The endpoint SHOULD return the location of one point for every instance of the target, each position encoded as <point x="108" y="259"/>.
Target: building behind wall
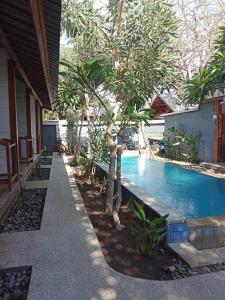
<point x="207" y="119"/>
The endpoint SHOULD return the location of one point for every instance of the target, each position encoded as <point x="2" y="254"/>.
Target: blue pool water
<point x="190" y="193"/>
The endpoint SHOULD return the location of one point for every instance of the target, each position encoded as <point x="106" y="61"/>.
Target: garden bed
<point x="45" y="161"/>
<point x="26" y="213"/>
<point x="39" y="174"/>
<point x="119" y="247"/>
<point x="14" y="283"/>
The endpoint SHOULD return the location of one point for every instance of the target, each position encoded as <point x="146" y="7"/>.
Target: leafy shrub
<point x="150" y="233"/>
<point x="80" y="160"/>
<point x="180" y="145"/>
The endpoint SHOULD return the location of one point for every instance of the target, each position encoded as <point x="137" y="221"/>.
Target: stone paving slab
<point x="198" y="258"/>
<point x="67" y="261"/>
<point x="36" y="184"/>
<point x="45" y="166"/>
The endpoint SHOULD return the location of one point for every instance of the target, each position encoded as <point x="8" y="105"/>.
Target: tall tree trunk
<point x="151" y="154"/>
<point x="75" y="138"/>
<point x="120" y="150"/>
<point x="89" y="123"/>
<point x="118" y="176"/>
<point x="79" y="135"/>
<point x="110" y="141"/>
<point x="118" y="199"/>
<point x="112" y="160"/>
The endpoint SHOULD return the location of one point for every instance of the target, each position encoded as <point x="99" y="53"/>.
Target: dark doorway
<point x="49" y="137"/>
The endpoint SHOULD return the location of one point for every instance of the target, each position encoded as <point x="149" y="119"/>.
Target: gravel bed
<point x="39" y="174"/>
<point x="181" y="270"/>
<point x="26" y="213"/>
<point x="14" y="283"/>
<point x="45" y="161"/>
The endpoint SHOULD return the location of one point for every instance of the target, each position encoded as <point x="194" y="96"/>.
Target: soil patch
<point x="119" y="248"/>
<point x="39" y="174"/>
<point x="45" y="161"/>
<point x="26" y="213"/>
<point x="14" y="283"/>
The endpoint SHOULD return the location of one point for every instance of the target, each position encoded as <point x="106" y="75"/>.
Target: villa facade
<point x="29" y="56"/>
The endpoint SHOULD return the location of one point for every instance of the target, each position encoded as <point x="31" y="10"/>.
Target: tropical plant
<point x="49" y="115"/>
<point x="180" y="145"/>
<point x="70" y="134"/>
<point x="70" y="105"/>
<point x="211" y="77"/>
<point x="150" y="233"/>
<point x="133" y="41"/>
<point x="80" y="160"/>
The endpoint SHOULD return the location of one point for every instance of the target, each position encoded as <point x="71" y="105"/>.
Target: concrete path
<point x="67" y="262"/>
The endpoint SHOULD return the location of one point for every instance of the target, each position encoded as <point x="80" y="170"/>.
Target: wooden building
<point x="29" y="57"/>
<point x="160" y="106"/>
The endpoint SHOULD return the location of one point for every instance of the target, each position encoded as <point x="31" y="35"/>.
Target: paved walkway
<point x="67" y="262"/>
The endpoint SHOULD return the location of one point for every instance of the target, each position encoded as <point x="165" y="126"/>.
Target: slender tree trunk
<point x="120" y="150"/>
<point x="75" y="138"/>
<point x="89" y="155"/>
<point x="118" y="176"/>
<point x="118" y="199"/>
<point x="79" y="135"/>
<point x="111" y="177"/>
<point x="110" y="141"/>
<point x="112" y="160"/>
<point x="151" y="154"/>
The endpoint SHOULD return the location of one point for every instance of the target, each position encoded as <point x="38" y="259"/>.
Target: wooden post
<point x="13" y="114"/>
<point x="28" y="118"/>
<point x="41" y="129"/>
<point x="37" y="119"/>
<point x="218" y="131"/>
<point x="28" y="113"/>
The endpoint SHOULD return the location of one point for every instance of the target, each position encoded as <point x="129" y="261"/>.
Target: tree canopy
<point x="211" y="77"/>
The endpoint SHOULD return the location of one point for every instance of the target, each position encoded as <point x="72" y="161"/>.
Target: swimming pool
<point x="192" y="194"/>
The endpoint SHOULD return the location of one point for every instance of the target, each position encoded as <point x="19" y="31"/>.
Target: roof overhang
<point x="30" y="34"/>
<point x="160" y="105"/>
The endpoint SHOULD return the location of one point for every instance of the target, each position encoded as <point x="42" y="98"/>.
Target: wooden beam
<point x="39" y="23"/>
<point x="13" y="113"/>
<point x="11" y="54"/>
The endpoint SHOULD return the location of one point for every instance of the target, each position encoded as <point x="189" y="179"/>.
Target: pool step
<point x="207" y="233"/>
<point x="198" y="258"/>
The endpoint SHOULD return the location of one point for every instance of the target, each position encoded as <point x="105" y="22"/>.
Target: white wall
<point x="155" y="130"/>
<point x="61" y="128"/>
<point x="33" y="122"/>
<point x="4" y="107"/>
<point x="21" y="112"/>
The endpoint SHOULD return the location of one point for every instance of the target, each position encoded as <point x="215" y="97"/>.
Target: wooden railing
<point x="28" y="146"/>
<point x="11" y="163"/>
